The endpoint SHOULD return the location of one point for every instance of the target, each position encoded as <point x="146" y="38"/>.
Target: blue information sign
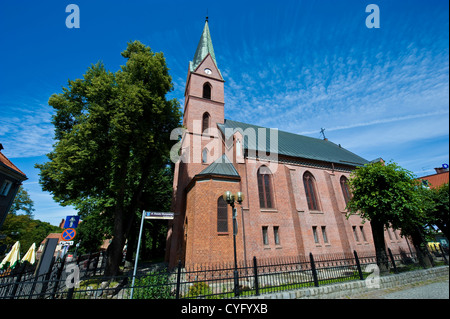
<point x="71" y="221"/>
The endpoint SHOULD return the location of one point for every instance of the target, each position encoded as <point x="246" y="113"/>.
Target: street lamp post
<point x="230" y="199"/>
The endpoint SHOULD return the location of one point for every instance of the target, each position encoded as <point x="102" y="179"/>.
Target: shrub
<point x="155" y="285"/>
<point x="199" y="289"/>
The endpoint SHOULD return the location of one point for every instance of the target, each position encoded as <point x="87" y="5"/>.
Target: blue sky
<point x="294" y="65"/>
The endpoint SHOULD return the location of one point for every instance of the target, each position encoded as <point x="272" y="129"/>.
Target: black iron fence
<point x="84" y="278"/>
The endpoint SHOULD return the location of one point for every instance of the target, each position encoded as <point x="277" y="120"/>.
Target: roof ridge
<point x="6" y="162"/>
<point x="301" y="146"/>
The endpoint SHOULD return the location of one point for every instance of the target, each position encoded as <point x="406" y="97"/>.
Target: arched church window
<point x="207" y="91"/>
<point x="222" y="215"/>
<point x="205" y="156"/>
<point x="265" y="188"/>
<point x="310" y="190"/>
<point x="345" y="189"/>
<point x="205" y="121"/>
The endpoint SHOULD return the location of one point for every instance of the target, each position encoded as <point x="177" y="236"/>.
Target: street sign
<point x="71" y="221"/>
<point x="68" y="234"/>
<point x="158" y="215"/>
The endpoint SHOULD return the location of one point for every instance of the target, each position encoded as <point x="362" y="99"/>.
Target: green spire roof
<point x="204" y="47"/>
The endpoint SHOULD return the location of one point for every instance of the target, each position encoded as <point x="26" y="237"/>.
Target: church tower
<point x="199" y="233"/>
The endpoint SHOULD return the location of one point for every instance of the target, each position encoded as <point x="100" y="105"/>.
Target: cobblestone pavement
<point x="432" y="289"/>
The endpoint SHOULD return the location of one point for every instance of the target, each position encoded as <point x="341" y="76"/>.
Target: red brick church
<point x="295" y="186"/>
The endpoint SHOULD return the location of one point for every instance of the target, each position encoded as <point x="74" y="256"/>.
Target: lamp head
<point x="240" y="197"/>
<point x="228" y="197"/>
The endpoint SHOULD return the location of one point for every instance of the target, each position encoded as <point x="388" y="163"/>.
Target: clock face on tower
<point x="208" y="71"/>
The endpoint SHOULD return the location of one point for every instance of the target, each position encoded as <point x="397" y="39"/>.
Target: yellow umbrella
<point x="30" y="256"/>
<point x="12" y="258"/>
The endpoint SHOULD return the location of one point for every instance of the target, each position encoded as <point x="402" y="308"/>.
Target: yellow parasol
<point x="30" y="256"/>
<point x="12" y="258"/>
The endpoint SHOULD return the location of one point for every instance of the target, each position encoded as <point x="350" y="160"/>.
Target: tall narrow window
<point x="362" y="233"/>
<point x="205" y="156"/>
<point x="345" y="189"/>
<point x="324" y="234"/>
<point x="276" y="235"/>
<point x="395" y="234"/>
<point x="355" y="233"/>
<point x="207" y="91"/>
<point x="238" y="147"/>
<point x="222" y="215"/>
<point x="310" y="189"/>
<point x="389" y="233"/>
<point x="265" y="235"/>
<point x="265" y="187"/>
<point x="316" y="236"/>
<point x="205" y="121"/>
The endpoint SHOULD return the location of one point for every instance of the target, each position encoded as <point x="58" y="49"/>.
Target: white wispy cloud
<point x="27" y="132"/>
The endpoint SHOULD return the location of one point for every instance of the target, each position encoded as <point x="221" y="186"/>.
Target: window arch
<point x="345" y="189"/>
<point x="310" y="190"/>
<point x="207" y="91"/>
<point x="265" y="187"/>
<point x="222" y="215"/>
<point x="205" y="121"/>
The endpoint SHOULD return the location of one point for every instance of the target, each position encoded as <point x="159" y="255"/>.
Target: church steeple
<point x="204" y="94"/>
<point x="204" y="48"/>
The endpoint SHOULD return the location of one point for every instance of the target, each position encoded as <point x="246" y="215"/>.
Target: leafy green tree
<point x="386" y="195"/>
<point x="92" y="231"/>
<point x="112" y="131"/>
<point x="440" y="215"/>
<point x="26" y="230"/>
<point x="22" y="202"/>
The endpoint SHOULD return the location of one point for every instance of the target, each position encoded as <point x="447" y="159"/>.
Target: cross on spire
<point x="322" y="131"/>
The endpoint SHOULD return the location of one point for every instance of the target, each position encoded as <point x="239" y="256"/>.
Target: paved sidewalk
<point x="431" y="289"/>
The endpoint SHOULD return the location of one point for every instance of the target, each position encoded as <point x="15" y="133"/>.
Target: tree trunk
<point x="116" y="247"/>
<point x="380" y="245"/>
<point x="422" y="254"/>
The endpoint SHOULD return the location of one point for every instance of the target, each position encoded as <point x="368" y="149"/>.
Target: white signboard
<point x="158" y="215"/>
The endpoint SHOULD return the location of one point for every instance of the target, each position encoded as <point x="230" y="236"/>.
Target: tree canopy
<point x="386" y="195"/>
<point x="385" y="192"/>
<point x="22" y="202"/>
<point x="112" y="132"/>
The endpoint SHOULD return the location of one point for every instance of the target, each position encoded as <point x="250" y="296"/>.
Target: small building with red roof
<point x="438" y="179"/>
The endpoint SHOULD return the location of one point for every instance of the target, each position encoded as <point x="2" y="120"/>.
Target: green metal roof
<point x="221" y="166"/>
<point x="290" y="144"/>
<point x="204" y="47"/>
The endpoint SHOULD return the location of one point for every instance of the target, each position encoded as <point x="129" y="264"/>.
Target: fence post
<point x="18" y="279"/>
<point x="392" y="260"/>
<point x="46" y="280"/>
<point x="70" y="293"/>
<point x="255" y="271"/>
<point x="443" y="254"/>
<point x="358" y="265"/>
<point x="58" y="276"/>
<point x="313" y="269"/>
<point x="177" y="295"/>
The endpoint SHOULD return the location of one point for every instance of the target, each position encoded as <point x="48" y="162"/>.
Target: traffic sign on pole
<point x="68" y="234"/>
<point x="71" y="221"/>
